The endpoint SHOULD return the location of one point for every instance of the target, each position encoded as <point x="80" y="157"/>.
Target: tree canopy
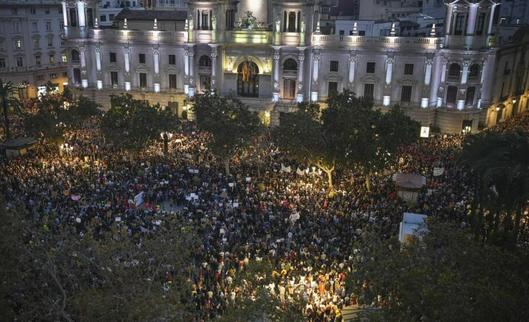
<point x="349" y="133"/>
<point x="57" y="274"/>
<point x="9" y="101"/>
<point x="448" y="276"/>
<point x="228" y="120"/>
<point x="133" y="124"/>
<point x="500" y="162"/>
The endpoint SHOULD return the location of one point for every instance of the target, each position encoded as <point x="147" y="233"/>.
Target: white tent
<point x="411" y="225"/>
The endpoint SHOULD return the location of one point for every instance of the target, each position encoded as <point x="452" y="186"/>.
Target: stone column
<point x="472" y="15"/>
<point x="428" y="72"/>
<point x="82" y="57"/>
<point x="389" y="70"/>
<point x="98" y="59"/>
<point x="214" y="55"/>
<point x="126" y="59"/>
<point x="449" y="13"/>
<point x="156" y="56"/>
<point x="352" y="68"/>
<point x="427" y="82"/>
<point x="441" y="89"/>
<point x="386" y="99"/>
<point x="81" y="13"/>
<point x="301" y="66"/>
<point x="315" y="76"/>
<point x="189" y="69"/>
<point x="65" y="14"/>
<point x="491" y="18"/>
<point x="464" y="76"/>
<point x="443" y="71"/>
<point x="156" y="78"/>
<point x="277" y="56"/>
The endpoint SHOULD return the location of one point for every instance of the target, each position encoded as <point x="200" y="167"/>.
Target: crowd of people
<point x="284" y="216"/>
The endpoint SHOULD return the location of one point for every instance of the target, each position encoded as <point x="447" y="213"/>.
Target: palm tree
<point x="6" y="91"/>
<point x="501" y="165"/>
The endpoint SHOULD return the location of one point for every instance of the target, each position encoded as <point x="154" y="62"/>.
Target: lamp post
<point x="166" y="136"/>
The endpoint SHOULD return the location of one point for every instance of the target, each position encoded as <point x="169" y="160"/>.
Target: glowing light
<point x="424" y="102"/>
<point x="99" y="84"/>
<point x="460" y="104"/>
<point x="127" y="86"/>
<point x="386" y="101"/>
<point x="157" y="87"/>
<point x="299" y="98"/>
<point x="314" y="96"/>
<point x="84" y="83"/>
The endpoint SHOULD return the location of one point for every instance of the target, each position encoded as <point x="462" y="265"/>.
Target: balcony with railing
<point x="429" y="43"/>
<point x="469" y="42"/>
<point x="127" y="36"/>
<point x="248" y="37"/>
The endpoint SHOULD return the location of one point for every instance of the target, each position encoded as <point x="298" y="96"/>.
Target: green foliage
<point x="300" y="134"/>
<point x="54" y="274"/>
<point x="349" y="133"/>
<point x="7" y="91"/>
<point x="133" y="124"/>
<point x="447" y="276"/>
<point x="50" y="120"/>
<point x="81" y="110"/>
<point x="230" y="123"/>
<point x="500" y="163"/>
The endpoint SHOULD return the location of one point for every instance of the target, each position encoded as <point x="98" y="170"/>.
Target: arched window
<point x="204" y="61"/>
<point x="290" y="65"/>
<point x="454" y="71"/>
<point x="248" y="79"/>
<point x="473" y="73"/>
<point x="291" y="21"/>
<point x="75" y="56"/>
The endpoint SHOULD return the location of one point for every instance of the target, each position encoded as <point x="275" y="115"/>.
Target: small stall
<point x="409" y="185"/>
<point x="18" y="146"/>
<point x="412" y="226"/>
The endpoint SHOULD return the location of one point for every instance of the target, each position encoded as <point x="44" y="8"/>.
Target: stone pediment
<point x="407" y="81"/>
<point x="369" y="79"/>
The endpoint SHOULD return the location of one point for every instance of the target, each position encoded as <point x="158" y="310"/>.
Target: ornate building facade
<point x="272" y="55"/>
<point x="32" y="52"/>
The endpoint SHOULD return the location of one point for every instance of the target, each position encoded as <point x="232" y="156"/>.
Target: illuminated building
<point x="32" y="52"/>
<point x="276" y="56"/>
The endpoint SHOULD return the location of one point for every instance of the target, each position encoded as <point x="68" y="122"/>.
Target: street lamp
<point x="166" y="136"/>
<point x="65" y="148"/>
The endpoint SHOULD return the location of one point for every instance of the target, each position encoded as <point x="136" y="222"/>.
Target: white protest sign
<point x="138" y="199"/>
<point x="425" y="131"/>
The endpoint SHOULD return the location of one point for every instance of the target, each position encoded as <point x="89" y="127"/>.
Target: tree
<point x="349" y="133"/>
<point x="7" y="90"/>
<point x="393" y="130"/>
<point x="446" y="276"/>
<point x="133" y="124"/>
<point x="230" y="123"/>
<point x="81" y="110"/>
<point x="500" y="163"/>
<point x="52" y="273"/>
<point x="305" y="137"/>
<point x="50" y="119"/>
